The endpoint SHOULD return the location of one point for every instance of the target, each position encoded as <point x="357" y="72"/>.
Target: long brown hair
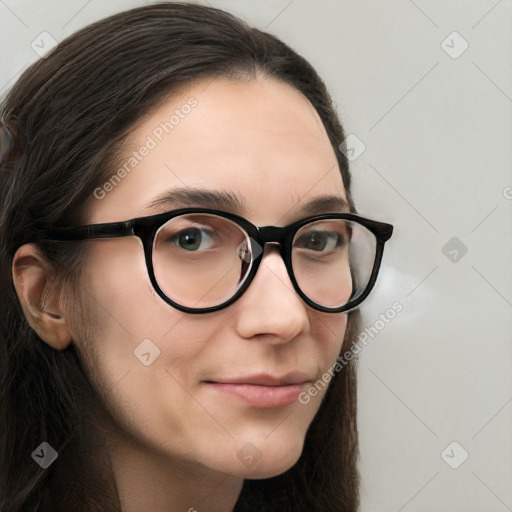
<point x="72" y="110"/>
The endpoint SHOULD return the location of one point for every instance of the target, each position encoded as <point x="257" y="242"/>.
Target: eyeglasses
<point x="201" y="260"/>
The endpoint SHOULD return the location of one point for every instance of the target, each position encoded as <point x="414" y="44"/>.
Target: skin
<point x="175" y="442"/>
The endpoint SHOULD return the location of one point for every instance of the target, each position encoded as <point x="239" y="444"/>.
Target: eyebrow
<point x="225" y="200"/>
<point x="184" y="197"/>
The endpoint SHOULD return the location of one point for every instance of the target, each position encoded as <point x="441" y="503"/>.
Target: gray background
<point x="437" y="131"/>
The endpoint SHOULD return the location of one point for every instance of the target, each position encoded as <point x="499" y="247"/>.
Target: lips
<point x="265" y="379"/>
<point x="262" y="390"/>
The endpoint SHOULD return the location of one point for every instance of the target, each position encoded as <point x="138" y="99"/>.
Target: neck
<point x="147" y="480"/>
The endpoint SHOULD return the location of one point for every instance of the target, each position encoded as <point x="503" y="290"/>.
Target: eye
<point x="192" y="239"/>
<point x="317" y="240"/>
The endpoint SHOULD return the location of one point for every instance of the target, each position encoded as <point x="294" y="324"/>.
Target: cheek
<point x="119" y="298"/>
<point x="116" y="279"/>
<point x="328" y="330"/>
<point x="142" y="354"/>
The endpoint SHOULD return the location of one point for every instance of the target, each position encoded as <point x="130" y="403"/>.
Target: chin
<point x="274" y="461"/>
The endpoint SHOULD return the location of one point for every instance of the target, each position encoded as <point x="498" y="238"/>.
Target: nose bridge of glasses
<point x="272" y="234"/>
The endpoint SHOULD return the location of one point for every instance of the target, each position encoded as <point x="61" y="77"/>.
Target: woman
<point x="160" y="352"/>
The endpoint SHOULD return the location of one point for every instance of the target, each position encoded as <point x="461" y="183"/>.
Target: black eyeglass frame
<point x="146" y="228"/>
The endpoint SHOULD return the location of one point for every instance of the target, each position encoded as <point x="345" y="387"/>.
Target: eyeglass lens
<point x="201" y="260"/>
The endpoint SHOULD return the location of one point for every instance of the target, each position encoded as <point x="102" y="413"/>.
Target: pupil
<point x="316" y="241"/>
<point x="191" y="239"/>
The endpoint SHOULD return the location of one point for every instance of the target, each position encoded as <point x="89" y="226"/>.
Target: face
<point x="262" y="142"/>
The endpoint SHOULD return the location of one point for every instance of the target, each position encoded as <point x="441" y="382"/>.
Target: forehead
<point x="259" y="140"/>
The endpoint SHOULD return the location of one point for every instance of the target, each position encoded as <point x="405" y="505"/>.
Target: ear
<point x="42" y="307"/>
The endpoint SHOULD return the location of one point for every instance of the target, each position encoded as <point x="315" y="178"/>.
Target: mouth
<point x="263" y="390"/>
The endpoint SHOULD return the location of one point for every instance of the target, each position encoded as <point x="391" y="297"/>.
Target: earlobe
<point x="41" y="305"/>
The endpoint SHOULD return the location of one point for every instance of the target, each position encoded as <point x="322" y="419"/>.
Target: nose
<point x="270" y="308"/>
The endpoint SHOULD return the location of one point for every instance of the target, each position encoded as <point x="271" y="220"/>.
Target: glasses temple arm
<point x="91" y="231"/>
